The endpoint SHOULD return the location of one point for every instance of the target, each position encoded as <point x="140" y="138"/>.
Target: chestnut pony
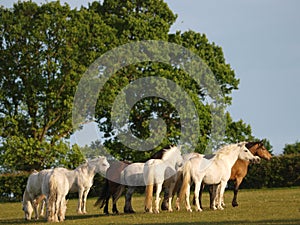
<point x="240" y="168"/>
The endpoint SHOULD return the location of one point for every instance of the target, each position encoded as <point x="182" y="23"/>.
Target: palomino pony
<point x="158" y="171"/>
<point x="212" y="169"/>
<point x="33" y="194"/>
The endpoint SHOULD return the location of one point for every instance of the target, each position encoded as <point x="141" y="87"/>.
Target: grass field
<point x="266" y="206"/>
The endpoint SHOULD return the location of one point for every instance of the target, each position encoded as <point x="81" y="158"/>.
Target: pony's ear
<point x="241" y="144"/>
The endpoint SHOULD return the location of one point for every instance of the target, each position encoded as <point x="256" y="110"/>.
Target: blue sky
<point x="261" y="42"/>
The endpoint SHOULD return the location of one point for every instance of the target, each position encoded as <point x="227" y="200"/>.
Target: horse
<point x="114" y="187"/>
<point x="158" y="171"/>
<point x="214" y="169"/>
<point x="56" y="186"/>
<point x="240" y="167"/>
<point x="33" y="194"/>
<point x="81" y="179"/>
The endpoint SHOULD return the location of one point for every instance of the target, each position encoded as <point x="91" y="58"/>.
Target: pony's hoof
<point x="235" y="204"/>
<point x="189" y="210"/>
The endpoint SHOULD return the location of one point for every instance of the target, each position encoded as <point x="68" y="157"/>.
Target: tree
<point x="292" y="148"/>
<point x="44" y="50"/>
<point x="135" y="22"/>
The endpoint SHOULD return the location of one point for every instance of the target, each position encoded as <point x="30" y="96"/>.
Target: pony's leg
<point x="128" y="207"/>
<point x="187" y="199"/>
<point x="170" y="191"/>
<point x="197" y="190"/>
<point x="35" y="205"/>
<point x="105" y="210"/>
<point x="220" y="192"/>
<point x="42" y="207"/>
<point x="80" y="196"/>
<point x="200" y="194"/>
<point x="235" y="191"/>
<point x="213" y="196"/>
<point x="157" y="198"/>
<point x="165" y="203"/>
<point x="116" y="196"/>
<point x="84" y="199"/>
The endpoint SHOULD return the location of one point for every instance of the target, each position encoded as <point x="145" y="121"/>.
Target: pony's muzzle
<point x="256" y="160"/>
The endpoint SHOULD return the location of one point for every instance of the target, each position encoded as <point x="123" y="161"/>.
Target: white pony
<point x="81" y="179"/>
<point x="158" y="171"/>
<point x="55" y="187"/>
<point x="212" y="169"/>
<point x="33" y="194"/>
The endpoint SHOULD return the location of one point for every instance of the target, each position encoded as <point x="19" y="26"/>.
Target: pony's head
<point x="173" y="154"/>
<point x="28" y="209"/>
<point x="245" y="154"/>
<point x="257" y="148"/>
<point x="101" y="164"/>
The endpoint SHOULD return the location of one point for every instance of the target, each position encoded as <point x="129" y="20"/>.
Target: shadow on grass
<point x="245" y="222"/>
<point x="42" y="220"/>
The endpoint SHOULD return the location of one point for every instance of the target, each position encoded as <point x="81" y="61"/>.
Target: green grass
<point x="266" y="206"/>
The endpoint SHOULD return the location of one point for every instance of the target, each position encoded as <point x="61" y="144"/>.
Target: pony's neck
<point x="170" y="157"/>
<point x="231" y="157"/>
<point x="253" y="149"/>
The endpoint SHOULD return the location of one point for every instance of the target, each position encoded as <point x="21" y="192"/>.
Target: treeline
<point x="280" y="171"/>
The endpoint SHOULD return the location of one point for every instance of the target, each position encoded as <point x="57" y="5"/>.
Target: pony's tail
<point x="148" y="198"/>
<point x="149" y="189"/>
<point x="186" y="179"/>
<point x="103" y="195"/>
<point x="52" y="198"/>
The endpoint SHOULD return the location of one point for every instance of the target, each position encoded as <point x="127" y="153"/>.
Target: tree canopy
<point x="45" y="50"/>
<point x="292" y="148"/>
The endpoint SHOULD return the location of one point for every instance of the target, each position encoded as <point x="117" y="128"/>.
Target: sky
<point x="261" y="42"/>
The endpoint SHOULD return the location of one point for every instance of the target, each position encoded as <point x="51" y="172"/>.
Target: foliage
<point x="13" y="186"/>
<point x="292" y="148"/>
<point x="43" y="52"/>
<point x="37" y="155"/>
<point x="280" y="171"/>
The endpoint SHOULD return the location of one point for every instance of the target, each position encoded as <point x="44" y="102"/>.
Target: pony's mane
<point x="166" y="152"/>
<point x="225" y="150"/>
<point x="251" y="144"/>
<point x="90" y="162"/>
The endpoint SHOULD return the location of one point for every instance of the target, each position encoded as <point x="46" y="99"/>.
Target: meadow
<point x="263" y="206"/>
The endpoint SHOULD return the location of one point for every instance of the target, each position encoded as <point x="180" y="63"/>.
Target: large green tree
<point x="140" y="20"/>
<point x="43" y="52"/>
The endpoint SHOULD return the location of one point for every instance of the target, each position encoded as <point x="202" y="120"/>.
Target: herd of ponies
<point x="168" y="169"/>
